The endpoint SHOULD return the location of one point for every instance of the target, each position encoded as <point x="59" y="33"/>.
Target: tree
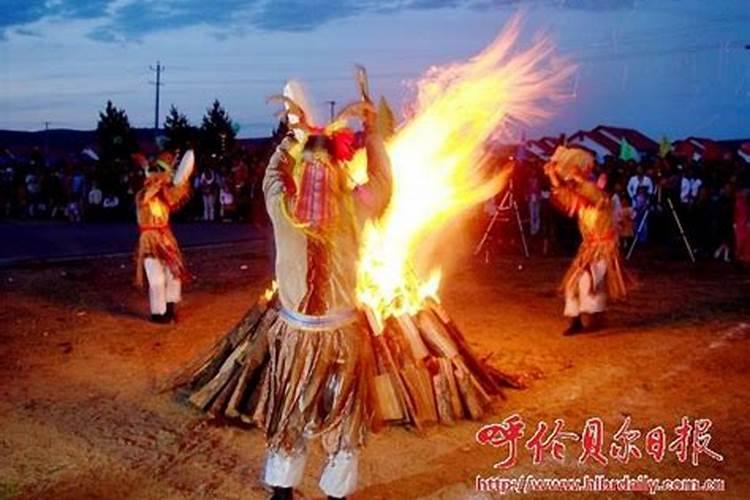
<point x="217" y="132"/>
<point x="116" y="139"/>
<point x="178" y="130"/>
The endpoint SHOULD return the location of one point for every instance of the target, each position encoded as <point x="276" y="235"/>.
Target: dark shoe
<point x="282" y="493"/>
<point x="171" y="312"/>
<point x="594" y="322"/>
<point x="576" y="326"/>
<point x="161" y="319"/>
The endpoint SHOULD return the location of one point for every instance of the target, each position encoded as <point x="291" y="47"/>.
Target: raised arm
<point x="373" y="197"/>
<point x="179" y="192"/>
<point x="278" y="176"/>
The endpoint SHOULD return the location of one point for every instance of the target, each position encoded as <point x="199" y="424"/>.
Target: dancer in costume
<point x="158" y="253"/>
<point x="317" y="384"/>
<point x="596" y="273"/>
<point x="304" y="362"/>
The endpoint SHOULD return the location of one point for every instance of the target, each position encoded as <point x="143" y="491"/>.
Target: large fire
<point x="439" y="160"/>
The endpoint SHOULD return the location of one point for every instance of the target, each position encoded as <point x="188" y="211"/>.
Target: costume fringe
<point x="297" y="385"/>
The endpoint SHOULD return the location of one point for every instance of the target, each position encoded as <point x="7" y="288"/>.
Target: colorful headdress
<point x="316" y="174"/>
<point x="163" y="163"/>
<point x="165" y="160"/>
<point x="570" y="162"/>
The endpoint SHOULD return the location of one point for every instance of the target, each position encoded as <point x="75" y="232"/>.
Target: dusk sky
<point x="674" y="67"/>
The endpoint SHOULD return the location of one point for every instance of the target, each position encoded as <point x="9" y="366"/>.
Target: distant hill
<point x="59" y="142"/>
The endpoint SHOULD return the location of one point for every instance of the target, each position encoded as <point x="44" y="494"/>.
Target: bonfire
<point x="426" y="371"/>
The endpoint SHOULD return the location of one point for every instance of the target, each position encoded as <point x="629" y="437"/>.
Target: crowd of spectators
<point x="655" y="202"/>
<point x="709" y="200"/>
<point x="81" y="190"/>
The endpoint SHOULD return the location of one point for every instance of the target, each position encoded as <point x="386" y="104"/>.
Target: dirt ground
<point x="81" y="415"/>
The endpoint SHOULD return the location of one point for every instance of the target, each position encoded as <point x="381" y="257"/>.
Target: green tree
<point x="178" y="130"/>
<point x="218" y="132"/>
<point x="115" y="138"/>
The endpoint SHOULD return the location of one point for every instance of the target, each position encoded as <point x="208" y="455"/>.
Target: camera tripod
<point x="678" y="224"/>
<point x="507" y="204"/>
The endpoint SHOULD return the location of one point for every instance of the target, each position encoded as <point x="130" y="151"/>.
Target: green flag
<point x="627" y="152"/>
<point x="665" y="146"/>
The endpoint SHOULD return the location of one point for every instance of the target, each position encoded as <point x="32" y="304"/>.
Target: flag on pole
<point x="627" y="152"/>
<point x="665" y="147"/>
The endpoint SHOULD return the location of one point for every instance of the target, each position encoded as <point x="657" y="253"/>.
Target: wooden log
<point x="419" y="386"/>
<point x="376" y="329"/>
<point x="210" y="362"/>
<point x="443" y="399"/>
<point x="205" y="395"/>
<point x="468" y="395"/>
<point x="376" y="325"/>
<point x="220" y="401"/>
<point x="410" y="331"/>
<point x="473" y="363"/>
<point x="232" y="410"/>
<point x="435" y="336"/>
<point x="255" y="359"/>
<point x="389" y="404"/>
<point x="446" y="368"/>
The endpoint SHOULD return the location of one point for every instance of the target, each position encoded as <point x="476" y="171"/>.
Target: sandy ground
<point x="81" y="416"/>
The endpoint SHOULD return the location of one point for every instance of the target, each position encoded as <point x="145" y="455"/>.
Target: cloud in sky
<point x="131" y="20"/>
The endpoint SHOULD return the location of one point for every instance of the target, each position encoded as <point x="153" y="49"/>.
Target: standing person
<point x="95" y="198"/>
<point x="723" y="222"/>
<point x="207" y="184"/>
<point x="639" y="181"/>
<point x="742" y="225"/>
<point x="534" y="194"/>
<point x="689" y="187"/>
<point x="226" y="201"/>
<point x="315" y="357"/>
<point x="596" y="273"/>
<point x="625" y="222"/>
<point x="33" y="193"/>
<point x="641" y="205"/>
<point x="158" y="253"/>
<point x="316" y="220"/>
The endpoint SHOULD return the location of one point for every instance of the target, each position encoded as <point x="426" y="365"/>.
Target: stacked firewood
<point x="222" y="382"/>
<point x="426" y="372"/>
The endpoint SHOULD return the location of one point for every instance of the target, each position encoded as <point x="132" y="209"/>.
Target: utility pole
<point x="46" y="143"/>
<point x="332" y="104"/>
<point x="158" y="69"/>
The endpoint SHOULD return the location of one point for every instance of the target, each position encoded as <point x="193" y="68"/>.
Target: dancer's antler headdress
<point x="298" y="119"/>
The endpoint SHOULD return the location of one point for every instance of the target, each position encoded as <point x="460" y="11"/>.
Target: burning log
<point x="386" y="358"/>
<point x="425" y="364"/>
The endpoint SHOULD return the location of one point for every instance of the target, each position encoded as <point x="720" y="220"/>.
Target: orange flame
<point x="268" y="294"/>
<point x="439" y="159"/>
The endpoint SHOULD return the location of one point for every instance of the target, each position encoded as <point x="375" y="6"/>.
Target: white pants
<point x="163" y="287"/>
<point x="339" y="477"/>
<point x="588" y="295"/>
